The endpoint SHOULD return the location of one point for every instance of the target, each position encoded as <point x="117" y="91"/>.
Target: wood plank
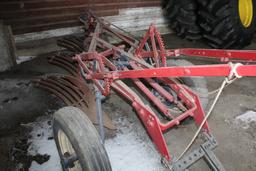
<point x="7" y="51"/>
<point x="24" y="15"/>
<point x="26" y="5"/>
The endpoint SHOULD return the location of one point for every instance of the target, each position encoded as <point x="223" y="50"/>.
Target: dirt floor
<point x="22" y="104"/>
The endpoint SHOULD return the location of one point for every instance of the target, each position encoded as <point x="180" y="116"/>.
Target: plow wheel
<point x="78" y="142"/>
<point x="227" y="23"/>
<point x="182" y="18"/>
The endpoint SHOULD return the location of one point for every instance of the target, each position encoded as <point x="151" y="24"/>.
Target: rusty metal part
<point x="71" y="43"/>
<point x="73" y="92"/>
<point x="64" y="62"/>
<point x="86" y="43"/>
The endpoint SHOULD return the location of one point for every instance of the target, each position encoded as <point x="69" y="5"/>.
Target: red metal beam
<point x="224" y="55"/>
<point x="179" y="71"/>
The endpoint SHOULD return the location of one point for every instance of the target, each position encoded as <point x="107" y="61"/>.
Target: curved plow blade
<point x="73" y="92"/>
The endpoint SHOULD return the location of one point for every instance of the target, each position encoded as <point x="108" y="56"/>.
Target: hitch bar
<point x="205" y="151"/>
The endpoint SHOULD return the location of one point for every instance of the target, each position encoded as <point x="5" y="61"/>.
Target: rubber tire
<point x="198" y="84"/>
<point x="182" y="17"/>
<point x="221" y="25"/>
<point x="83" y="137"/>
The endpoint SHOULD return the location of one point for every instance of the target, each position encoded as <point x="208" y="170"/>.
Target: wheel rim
<point x="66" y="147"/>
<point x="246" y="12"/>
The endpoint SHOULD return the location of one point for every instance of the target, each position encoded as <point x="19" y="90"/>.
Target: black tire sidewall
<point x="73" y="141"/>
<point x="246" y="31"/>
<point x="221" y="24"/>
<point x="85" y="142"/>
<point x="57" y="127"/>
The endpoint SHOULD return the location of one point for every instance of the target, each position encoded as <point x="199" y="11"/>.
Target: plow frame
<point x="106" y="63"/>
<point x="98" y="67"/>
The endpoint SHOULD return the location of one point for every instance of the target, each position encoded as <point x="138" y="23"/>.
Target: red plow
<point x="108" y="55"/>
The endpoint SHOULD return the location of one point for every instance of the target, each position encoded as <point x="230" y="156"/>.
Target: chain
<point x="161" y="45"/>
<point x="107" y="86"/>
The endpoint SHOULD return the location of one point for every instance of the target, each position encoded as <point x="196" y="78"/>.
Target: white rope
<point x="233" y="72"/>
<point x="228" y="80"/>
<point x="213" y="91"/>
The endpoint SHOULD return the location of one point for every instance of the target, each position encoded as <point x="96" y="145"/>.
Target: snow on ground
<point x="42" y="142"/>
<point x="130" y="150"/>
<point x="246" y="118"/>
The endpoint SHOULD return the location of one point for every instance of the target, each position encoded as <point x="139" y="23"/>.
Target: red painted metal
<point x="224" y="55"/>
<point x="106" y="64"/>
<point x="179" y="71"/>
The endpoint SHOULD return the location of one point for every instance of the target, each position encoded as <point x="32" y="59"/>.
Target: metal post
<point x="100" y="115"/>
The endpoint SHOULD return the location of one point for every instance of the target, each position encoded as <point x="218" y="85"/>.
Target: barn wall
<point x="129" y="19"/>
<point x="7" y="50"/>
<point x="26" y="16"/>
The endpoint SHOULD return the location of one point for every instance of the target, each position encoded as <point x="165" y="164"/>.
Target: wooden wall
<point x="26" y="16"/>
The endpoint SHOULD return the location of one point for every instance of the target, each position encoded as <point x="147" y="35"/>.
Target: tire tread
<point x="79" y="129"/>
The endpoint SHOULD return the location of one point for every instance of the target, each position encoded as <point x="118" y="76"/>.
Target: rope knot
<point x="233" y="72"/>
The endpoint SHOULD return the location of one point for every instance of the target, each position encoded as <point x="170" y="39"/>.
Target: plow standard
<point x="107" y="55"/>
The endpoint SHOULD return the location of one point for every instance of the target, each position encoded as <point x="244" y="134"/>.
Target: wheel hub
<point x="69" y="160"/>
<point x="245" y="12"/>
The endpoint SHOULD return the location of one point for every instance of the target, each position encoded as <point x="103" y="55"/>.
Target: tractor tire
<point x="75" y="134"/>
<point x="196" y="84"/>
<point x="182" y="17"/>
<point x="227" y="23"/>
